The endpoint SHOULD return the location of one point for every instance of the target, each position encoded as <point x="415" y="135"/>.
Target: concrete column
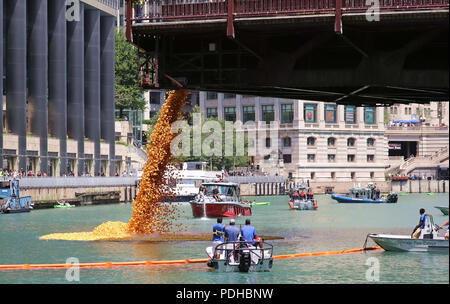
<point x="238" y="107"/>
<point x="75" y="86"/>
<point x="107" y="69"/>
<point x="220" y="105"/>
<point x="257" y="109"/>
<point x="38" y="76"/>
<point x="92" y="81"/>
<point x="16" y="71"/>
<point x="57" y="78"/>
<point x="1" y="83"/>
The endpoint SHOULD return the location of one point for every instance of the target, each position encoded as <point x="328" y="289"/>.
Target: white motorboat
<point x="241" y="257"/>
<point x="430" y="240"/>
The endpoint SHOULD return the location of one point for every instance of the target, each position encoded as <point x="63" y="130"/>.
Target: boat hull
<point x="406" y="243"/>
<point x="303" y="205"/>
<point x="225" y="266"/>
<point x="352" y="200"/>
<point x="213" y="210"/>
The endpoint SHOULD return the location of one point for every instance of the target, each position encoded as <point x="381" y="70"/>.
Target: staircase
<point x="422" y="162"/>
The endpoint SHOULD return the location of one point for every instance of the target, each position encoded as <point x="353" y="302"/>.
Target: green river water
<point x="333" y="226"/>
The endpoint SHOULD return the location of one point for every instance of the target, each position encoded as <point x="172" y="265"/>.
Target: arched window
<point x="311" y="141"/>
<point x="331" y="141"/>
<point x="351" y="142"/>
<point x="286" y="142"/>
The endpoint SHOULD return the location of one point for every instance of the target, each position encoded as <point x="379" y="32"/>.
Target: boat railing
<point x="234" y="248"/>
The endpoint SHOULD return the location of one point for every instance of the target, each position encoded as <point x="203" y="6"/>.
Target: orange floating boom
<point x="168" y="262"/>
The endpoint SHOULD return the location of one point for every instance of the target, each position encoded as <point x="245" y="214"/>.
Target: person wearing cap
<point x="418" y="229"/>
<point x="232" y="232"/>
<point x="248" y="232"/>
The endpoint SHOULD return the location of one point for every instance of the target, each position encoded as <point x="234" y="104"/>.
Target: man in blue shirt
<point x="420" y="226"/>
<point x="218" y="233"/>
<point x="248" y="232"/>
<point x="232" y="232"/>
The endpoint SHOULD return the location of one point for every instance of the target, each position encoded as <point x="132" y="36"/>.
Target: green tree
<point x="128" y="95"/>
<point x="217" y="162"/>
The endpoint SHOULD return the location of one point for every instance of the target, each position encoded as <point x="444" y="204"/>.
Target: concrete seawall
<point x="86" y="190"/>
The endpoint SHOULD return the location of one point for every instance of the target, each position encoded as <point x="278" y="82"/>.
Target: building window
<point x="333" y="175"/>
<point x="331" y="158"/>
<point x="155" y="97"/>
<point x="310" y="113"/>
<point x="352" y="175"/>
<point x="230" y="113"/>
<point x="267" y="142"/>
<point x="369" y="115"/>
<point x="370" y="158"/>
<point x="350" y="114"/>
<point x="372" y="175"/>
<point x="249" y="113"/>
<point x="351" y="158"/>
<point x="287" y="158"/>
<point x="211" y="112"/>
<point x="311" y="158"/>
<point x="286" y="142"/>
<point x="313" y="175"/>
<point x="268" y="113"/>
<point x="370" y="142"/>
<point x="331" y="141"/>
<point x="287" y="113"/>
<point x="229" y="95"/>
<point x="351" y="142"/>
<point x="330" y="113"/>
<point x="311" y="141"/>
<point x="211" y="95"/>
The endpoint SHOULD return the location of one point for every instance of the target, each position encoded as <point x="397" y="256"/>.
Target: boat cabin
<point x="227" y="191"/>
<point x="364" y="193"/>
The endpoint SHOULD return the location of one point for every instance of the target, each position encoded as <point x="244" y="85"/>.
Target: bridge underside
<point x="402" y="58"/>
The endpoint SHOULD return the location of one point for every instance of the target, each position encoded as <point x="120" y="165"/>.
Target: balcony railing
<point x="175" y="10"/>
<point x="114" y="4"/>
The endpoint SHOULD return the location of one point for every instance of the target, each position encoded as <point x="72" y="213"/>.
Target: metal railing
<point x="174" y="10"/>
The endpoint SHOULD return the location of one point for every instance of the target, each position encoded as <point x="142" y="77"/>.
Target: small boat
<point x="444" y="210"/>
<point x="10" y="200"/>
<point x="64" y="205"/>
<point x="260" y="204"/>
<point x="240" y="257"/>
<point x="229" y="205"/>
<point x="365" y="195"/>
<point x="428" y="241"/>
<point x="307" y="203"/>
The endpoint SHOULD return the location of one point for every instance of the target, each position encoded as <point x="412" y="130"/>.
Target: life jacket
<point x="302" y="193"/>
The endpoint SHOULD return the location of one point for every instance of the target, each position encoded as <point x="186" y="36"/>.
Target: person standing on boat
<point x="248" y="232"/>
<point x="218" y="234"/>
<point x="310" y="194"/>
<point x="302" y="195"/>
<point x="420" y="226"/>
<point x="441" y="226"/>
<point x="232" y="232"/>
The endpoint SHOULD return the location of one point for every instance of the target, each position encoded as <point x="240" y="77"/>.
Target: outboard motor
<point x="429" y="230"/>
<point x="244" y="261"/>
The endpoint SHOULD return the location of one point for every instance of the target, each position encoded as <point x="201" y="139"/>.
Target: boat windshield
<point x="224" y="190"/>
